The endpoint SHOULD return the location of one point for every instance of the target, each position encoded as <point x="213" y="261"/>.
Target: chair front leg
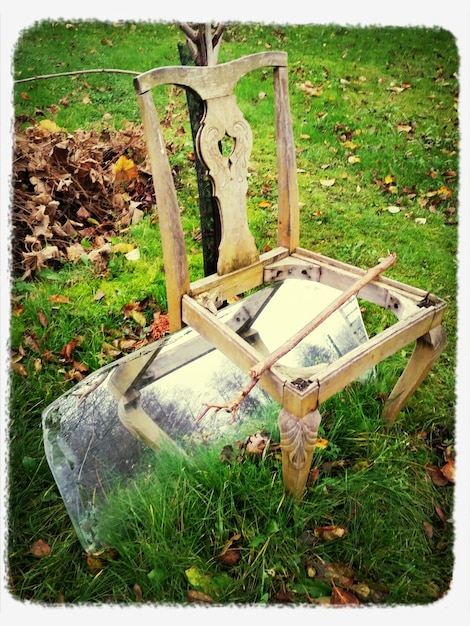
<point x="298" y="437"/>
<point x="427" y="350"/>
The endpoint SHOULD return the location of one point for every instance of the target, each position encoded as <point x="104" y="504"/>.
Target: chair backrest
<point x="222" y="121"/>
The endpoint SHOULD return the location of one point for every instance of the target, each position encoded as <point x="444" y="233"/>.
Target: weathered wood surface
<point x="229" y="175"/>
<point x="427" y="350"/>
<point x="209" y="82"/>
<point x="298" y="438"/>
<point x="171" y="231"/>
<point x="321" y="317"/>
<point x="241" y="268"/>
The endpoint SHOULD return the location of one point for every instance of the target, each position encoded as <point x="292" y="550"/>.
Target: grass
<point x="373" y="482"/>
<point x="181" y="518"/>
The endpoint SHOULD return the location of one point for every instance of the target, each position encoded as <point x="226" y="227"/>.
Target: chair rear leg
<point x="427" y="350"/>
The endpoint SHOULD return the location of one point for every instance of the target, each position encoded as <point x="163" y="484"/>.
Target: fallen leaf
<point x="122" y="247"/>
<point x="42" y="319"/>
<point x="393" y="209"/>
<point x="66" y="352"/>
<point x="231" y="556"/>
<point x="441" y="515"/>
<point x="308" y="88"/>
<point x="99" y="295"/>
<point x="32" y="342"/>
<point x="436" y="475"/>
<point x="198" y="596"/>
<point x="95" y="563"/>
<point x="330" y="533"/>
<point x="49" y="127"/>
<point x="342" y="596"/>
<point x="138" y="317"/>
<point x="197" y="579"/>
<point x="428" y="530"/>
<point x="133" y="255"/>
<point x="420" y="220"/>
<point x="19" y="368"/>
<point x="124" y="170"/>
<point x="327" y="182"/>
<point x="448" y="470"/>
<point x="40" y="548"/>
<point x="58" y="299"/>
<point x="354" y="159"/>
<point x="321" y="444"/>
<point x="138" y="593"/>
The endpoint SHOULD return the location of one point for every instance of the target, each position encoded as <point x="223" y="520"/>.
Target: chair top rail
<point x="209" y="81"/>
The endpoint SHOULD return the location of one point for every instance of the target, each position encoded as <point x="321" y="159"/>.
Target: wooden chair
<point x="241" y="267"/>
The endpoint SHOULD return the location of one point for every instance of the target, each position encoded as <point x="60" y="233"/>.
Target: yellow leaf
<point x="49" y="127"/>
<point x="124" y="170"/>
<point x="139" y="317"/>
<point x="388" y="180"/>
<point x="350" y="145"/>
<point x="264" y="204"/>
<point x="19" y="368"/>
<point x="327" y="182"/>
<point x="122" y="247"/>
<point x="321" y="444"/>
<point x="197" y="579"/>
<point x="354" y="159"/>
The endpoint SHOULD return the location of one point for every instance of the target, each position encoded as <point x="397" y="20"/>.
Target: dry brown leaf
<point x="58" y="299"/>
<point x="194" y="596"/>
<point x="32" y="342"/>
<point x="43" y="319"/>
<point x="436" y="475"/>
<point x="256" y="444"/>
<point x="342" y="596"/>
<point x="66" y="352"/>
<point x="138" y="593"/>
<point x="428" y="530"/>
<point x="448" y="471"/>
<point x="19" y="368"/>
<point x="330" y="533"/>
<point x="40" y="548"/>
<point x="310" y="89"/>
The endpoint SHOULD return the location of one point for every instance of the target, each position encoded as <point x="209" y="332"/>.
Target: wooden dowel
<point x="258" y="369"/>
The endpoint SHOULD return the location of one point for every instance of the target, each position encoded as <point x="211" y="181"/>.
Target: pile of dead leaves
<point x="72" y="192"/>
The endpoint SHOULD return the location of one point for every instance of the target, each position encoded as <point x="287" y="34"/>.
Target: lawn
<point x="375" y="112"/>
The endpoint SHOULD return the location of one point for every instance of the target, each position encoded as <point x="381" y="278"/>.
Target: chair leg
<point x="427" y="350"/>
<point x="298" y="437"/>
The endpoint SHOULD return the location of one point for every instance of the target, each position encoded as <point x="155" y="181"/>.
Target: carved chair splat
<point x="241" y="267"/>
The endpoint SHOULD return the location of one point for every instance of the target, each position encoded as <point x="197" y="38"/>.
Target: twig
<point x="231" y="406"/>
<point x="73" y="73"/>
<point x="258" y="370"/>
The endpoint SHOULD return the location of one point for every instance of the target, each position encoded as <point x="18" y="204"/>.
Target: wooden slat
<point x="361" y="359"/>
<point x="230" y="344"/>
<point x="171" y="231"/>
<point x="399" y="298"/>
<point x="239" y="281"/>
<point x="209" y="82"/>
<point x="288" y="193"/>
